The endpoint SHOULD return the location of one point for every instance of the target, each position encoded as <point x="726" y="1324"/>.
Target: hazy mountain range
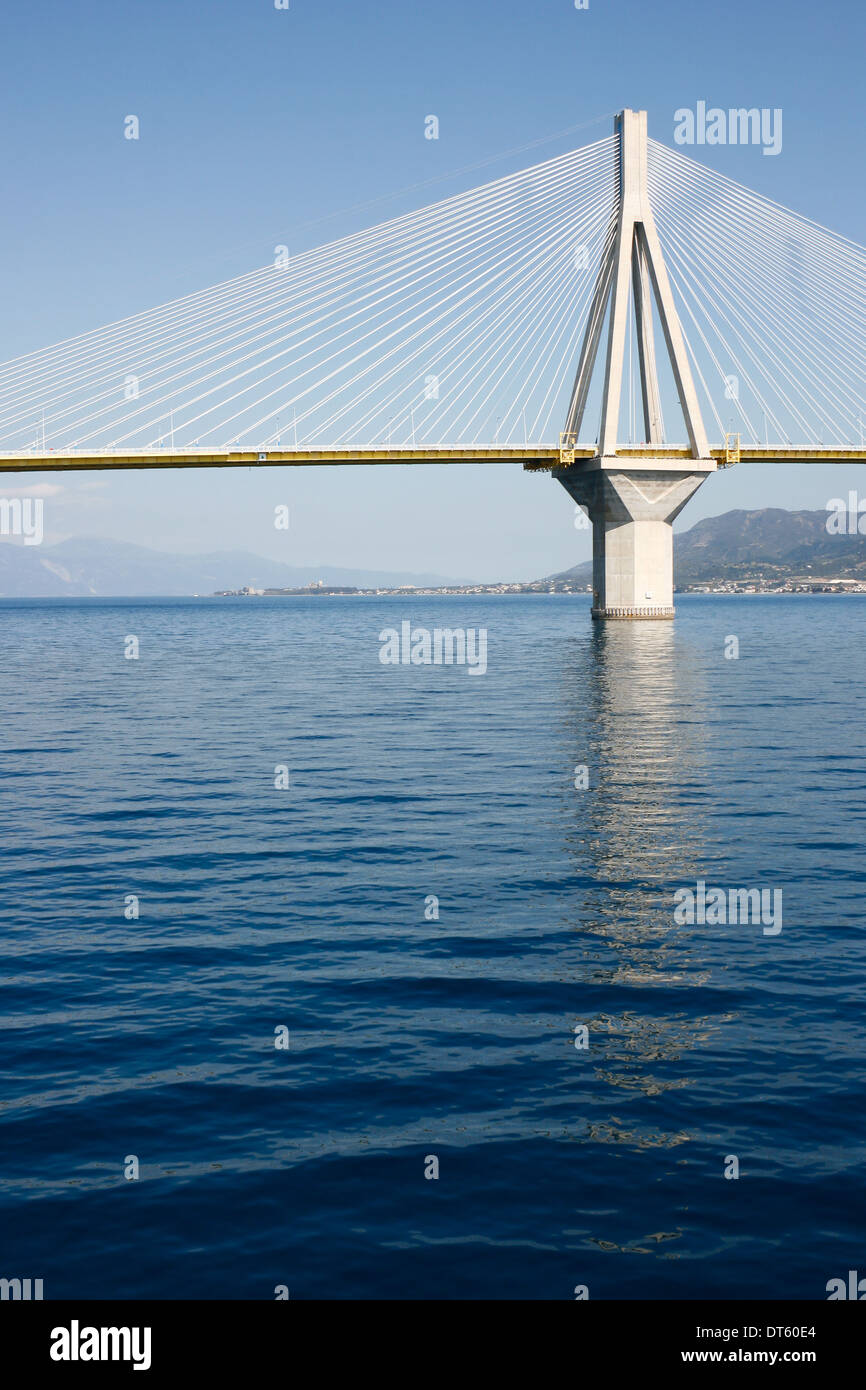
<point x="115" y="569"/>
<point x="774" y="543"/>
<point x="736" y="545"/>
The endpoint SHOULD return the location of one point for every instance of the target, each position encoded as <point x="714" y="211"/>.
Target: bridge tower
<point x="631" y="500"/>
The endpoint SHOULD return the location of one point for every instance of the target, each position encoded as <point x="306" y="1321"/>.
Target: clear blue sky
<point x="262" y="126"/>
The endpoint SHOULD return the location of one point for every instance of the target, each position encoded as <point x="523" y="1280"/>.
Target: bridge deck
<point x="535" y="457"/>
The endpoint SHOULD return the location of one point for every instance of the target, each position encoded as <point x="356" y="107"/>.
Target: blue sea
<point x="429" y="914"/>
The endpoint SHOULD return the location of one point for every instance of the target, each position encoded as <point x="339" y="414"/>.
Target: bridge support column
<point x="631" y="510"/>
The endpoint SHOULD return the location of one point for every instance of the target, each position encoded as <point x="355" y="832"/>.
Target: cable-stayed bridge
<point x="699" y="324"/>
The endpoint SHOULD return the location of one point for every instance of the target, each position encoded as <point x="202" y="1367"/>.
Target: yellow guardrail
<point x="567" y="444"/>
<point x="732" y="448"/>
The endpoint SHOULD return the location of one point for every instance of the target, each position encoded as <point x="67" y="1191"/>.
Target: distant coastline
<point x="769" y="551"/>
<point x="766" y="551"/>
<point x="804" y="586"/>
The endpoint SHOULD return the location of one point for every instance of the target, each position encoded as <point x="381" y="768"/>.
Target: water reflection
<point x="637" y="702"/>
<point x="638" y="719"/>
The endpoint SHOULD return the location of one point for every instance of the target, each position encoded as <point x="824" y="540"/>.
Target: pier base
<point x="631" y="505"/>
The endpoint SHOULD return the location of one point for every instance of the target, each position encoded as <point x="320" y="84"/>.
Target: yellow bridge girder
<point x="534" y="457"/>
<point x="48" y="460"/>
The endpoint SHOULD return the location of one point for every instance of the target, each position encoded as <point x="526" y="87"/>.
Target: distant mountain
<point x="772" y="543"/>
<point x="777" y="543"/>
<point x="114" y="569"/>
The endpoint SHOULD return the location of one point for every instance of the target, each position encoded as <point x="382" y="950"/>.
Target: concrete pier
<point x="631" y="507"/>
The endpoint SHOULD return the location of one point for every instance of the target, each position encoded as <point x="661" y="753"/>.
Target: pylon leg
<point x="632" y="503"/>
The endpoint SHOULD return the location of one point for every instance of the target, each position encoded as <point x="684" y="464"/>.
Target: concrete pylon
<point x="633" y="501"/>
<point x="632" y="508"/>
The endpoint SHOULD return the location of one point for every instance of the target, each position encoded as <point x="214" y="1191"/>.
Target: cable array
<point x="458" y="323"/>
<point x="772" y="307"/>
<point x="462" y="323"/>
